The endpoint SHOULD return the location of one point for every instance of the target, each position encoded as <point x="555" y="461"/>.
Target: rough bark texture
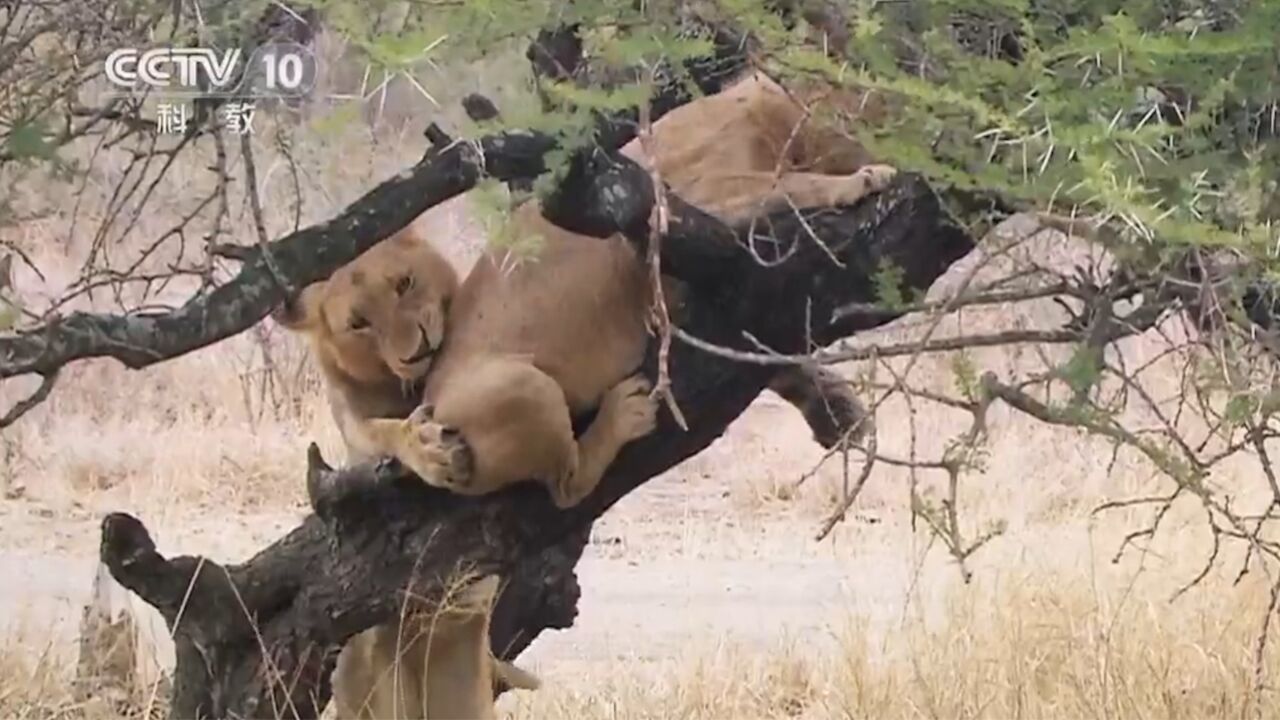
<point x="378" y="531"/>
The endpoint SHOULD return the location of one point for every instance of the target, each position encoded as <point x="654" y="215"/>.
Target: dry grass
<point x="1053" y="635"/>
<point x="1048" y="628"/>
<point x="1040" y="645"/>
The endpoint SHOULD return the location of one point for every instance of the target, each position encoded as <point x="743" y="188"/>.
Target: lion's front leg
<point x="434" y="451"/>
<point x="626" y="413"/>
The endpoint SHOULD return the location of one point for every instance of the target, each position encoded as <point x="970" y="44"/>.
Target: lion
<point x="473" y="385"/>
<point x="445" y="672"/>
<point x="493" y="415"/>
<point x="490" y="402"/>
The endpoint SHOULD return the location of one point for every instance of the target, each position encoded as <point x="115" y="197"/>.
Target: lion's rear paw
<point x="437" y="453"/>
<point x="631" y="411"/>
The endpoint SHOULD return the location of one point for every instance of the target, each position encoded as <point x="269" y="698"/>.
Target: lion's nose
<point x="423" y="351"/>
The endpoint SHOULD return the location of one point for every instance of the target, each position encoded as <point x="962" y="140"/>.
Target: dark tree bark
<point x="378" y="531"/>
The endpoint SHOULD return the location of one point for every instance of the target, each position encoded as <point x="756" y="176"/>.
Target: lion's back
<point x="577" y="308"/>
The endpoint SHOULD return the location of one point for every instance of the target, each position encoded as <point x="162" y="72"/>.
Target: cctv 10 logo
<point x="273" y="70"/>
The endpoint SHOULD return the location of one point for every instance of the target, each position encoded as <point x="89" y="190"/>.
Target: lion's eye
<point x="358" y="322"/>
<point x="403" y="284"/>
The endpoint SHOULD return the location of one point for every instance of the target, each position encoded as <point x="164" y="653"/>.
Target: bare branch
<point x="26" y="405"/>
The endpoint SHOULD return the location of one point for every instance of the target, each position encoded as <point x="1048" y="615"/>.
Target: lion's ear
<point x="303" y="312"/>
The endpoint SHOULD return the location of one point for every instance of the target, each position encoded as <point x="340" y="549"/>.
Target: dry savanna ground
<point x="705" y="593"/>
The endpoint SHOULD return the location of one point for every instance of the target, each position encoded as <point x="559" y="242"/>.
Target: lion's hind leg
<point x="436" y="452"/>
<point x="504" y="421"/>
<point x="514" y="420"/>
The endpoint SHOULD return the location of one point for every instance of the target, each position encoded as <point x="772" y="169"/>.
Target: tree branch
<point x="303" y="257"/>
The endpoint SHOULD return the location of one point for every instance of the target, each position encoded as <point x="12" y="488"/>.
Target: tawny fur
<point x="437" y="668"/>
<point x="528" y="345"/>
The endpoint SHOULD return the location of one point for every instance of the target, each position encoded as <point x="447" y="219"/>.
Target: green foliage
<point x="888" y="284"/>
<point x="10" y="311"/>
<point x="9" y="315"/>
<point x="335" y="119"/>
<point x="1159" y="114"/>
<point x="965" y="375"/>
<point x="1094" y="114"/>
<point x="1083" y="371"/>
<point x="1239" y="409"/>
<point x="27" y="142"/>
<point x="490" y="203"/>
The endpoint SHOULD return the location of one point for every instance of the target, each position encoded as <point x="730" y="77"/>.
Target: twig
<point x="255" y="204"/>
<point x="992" y="297"/>
<point x="24" y="406"/>
<point x="658" y="224"/>
<point x="850" y="494"/>
<point x="845" y="354"/>
<point x="1260" y="649"/>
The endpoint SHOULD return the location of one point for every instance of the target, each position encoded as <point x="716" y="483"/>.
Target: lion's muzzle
<point x="424" y="349"/>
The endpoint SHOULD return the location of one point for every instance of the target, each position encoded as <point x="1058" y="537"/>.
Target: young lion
<point x="446" y="672"/>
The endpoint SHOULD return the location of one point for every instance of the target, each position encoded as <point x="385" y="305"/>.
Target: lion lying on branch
<point x="474" y="386"/>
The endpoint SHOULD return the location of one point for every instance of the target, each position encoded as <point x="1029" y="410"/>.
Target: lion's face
<point x="381" y="315"/>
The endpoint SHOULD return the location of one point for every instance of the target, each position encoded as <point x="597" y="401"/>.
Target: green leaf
<point x="337" y="120"/>
<point x="9" y="315"/>
<point x="888" y="281"/>
<point x="966" y="375"/>
<point x="1239" y="408"/>
<point x="1083" y="370"/>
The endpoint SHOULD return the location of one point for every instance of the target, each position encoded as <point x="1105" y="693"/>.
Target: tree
<point x="1148" y="128"/>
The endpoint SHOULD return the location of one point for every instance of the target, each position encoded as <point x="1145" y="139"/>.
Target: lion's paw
<point x="630" y="409"/>
<point x="868" y="180"/>
<point x="435" y="452"/>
